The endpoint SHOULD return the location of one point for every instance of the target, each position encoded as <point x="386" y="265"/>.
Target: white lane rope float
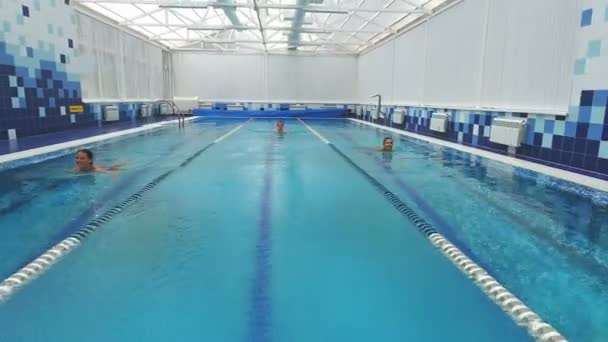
<point x="509" y="303"/>
<point x="41" y="264"/>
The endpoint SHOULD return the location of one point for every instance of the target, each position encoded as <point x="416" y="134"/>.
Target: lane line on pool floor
<point x="517" y="310"/>
<point x="259" y="321"/>
<point x="44" y="262"/>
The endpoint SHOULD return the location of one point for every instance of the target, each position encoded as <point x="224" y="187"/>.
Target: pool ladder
<point x="175" y="111"/>
<point x="379" y="112"/>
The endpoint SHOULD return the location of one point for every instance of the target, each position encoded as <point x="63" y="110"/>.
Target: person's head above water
<point x="387" y="144"/>
<point x="280" y="125"/>
<point x="84" y="160"/>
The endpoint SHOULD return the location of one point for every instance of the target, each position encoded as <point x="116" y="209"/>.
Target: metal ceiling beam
<point x="251" y="41"/>
<point x="339" y="10"/>
<point x="270" y="52"/>
<point x="141" y="16"/>
<point x="257" y="14"/>
<point x="389" y="27"/>
<point x="348" y="18"/>
<point x="267" y="28"/>
<point x="371" y="20"/>
<point x="265" y="13"/>
<point x="307" y="8"/>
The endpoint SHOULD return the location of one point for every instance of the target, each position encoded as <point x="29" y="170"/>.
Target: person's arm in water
<point x="110" y="169"/>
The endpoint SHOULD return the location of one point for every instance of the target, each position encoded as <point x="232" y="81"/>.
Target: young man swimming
<point x="387" y="145"/>
<point x="280" y="128"/>
<point x="84" y="163"/>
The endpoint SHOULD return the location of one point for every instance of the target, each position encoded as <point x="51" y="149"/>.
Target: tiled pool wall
<point x="576" y="142"/>
<point x="39" y="80"/>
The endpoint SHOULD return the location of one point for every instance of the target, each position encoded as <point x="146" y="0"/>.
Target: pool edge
<point x="5" y="159"/>
<point x="569" y="176"/>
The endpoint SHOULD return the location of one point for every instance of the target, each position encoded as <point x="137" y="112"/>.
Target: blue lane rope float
<point x="41" y="264"/>
<point x="509" y="303"/>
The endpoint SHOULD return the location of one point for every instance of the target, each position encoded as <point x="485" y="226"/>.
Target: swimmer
<point x="387" y="145"/>
<point x="280" y="127"/>
<point x="84" y="163"/>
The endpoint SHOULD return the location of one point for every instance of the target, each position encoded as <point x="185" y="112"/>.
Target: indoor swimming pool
<point x="224" y="230"/>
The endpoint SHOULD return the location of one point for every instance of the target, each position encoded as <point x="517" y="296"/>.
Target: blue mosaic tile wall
<point x="577" y="142"/>
<point x="38" y="77"/>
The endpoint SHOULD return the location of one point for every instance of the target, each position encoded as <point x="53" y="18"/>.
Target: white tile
<point x="603" y="150"/>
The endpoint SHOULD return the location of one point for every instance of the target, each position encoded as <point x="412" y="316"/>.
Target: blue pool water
<point x="276" y="238"/>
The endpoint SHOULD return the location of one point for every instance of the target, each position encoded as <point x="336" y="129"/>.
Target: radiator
<point x="165" y="109"/>
<point x="205" y="105"/>
<point x="145" y="111"/>
<point x="186" y="103"/>
<point x="439" y="122"/>
<point x="359" y="112"/>
<point x="374" y="113"/>
<point x="110" y="113"/>
<point x="508" y="132"/>
<point x="234" y="107"/>
<point x="399" y="116"/>
<point x="297" y="107"/>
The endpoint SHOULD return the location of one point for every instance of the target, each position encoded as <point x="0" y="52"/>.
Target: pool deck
<point x="21" y="149"/>
<point x="35" y="141"/>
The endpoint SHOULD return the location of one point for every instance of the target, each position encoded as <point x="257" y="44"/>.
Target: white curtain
<point x="528" y="57"/>
<point x="511" y="55"/>
<point x="117" y="65"/>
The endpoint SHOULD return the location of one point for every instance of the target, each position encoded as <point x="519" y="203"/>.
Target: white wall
<point x="225" y="77"/>
<point x="219" y="77"/>
<point x="513" y="54"/>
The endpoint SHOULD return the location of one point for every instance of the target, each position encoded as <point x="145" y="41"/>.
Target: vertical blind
<point x="511" y="55"/>
<point x="116" y="65"/>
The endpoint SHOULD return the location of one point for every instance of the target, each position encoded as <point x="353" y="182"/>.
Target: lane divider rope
<point x="509" y="303"/>
<point x="41" y="264"/>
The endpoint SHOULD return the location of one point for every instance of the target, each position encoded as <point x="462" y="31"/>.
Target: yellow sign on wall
<point x="77" y="109"/>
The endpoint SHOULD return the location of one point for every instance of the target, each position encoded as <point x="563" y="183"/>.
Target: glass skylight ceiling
<point x="312" y="26"/>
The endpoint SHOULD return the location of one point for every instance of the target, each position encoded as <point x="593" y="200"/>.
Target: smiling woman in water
<point x="85" y="163"/>
<point x="387" y="145"/>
